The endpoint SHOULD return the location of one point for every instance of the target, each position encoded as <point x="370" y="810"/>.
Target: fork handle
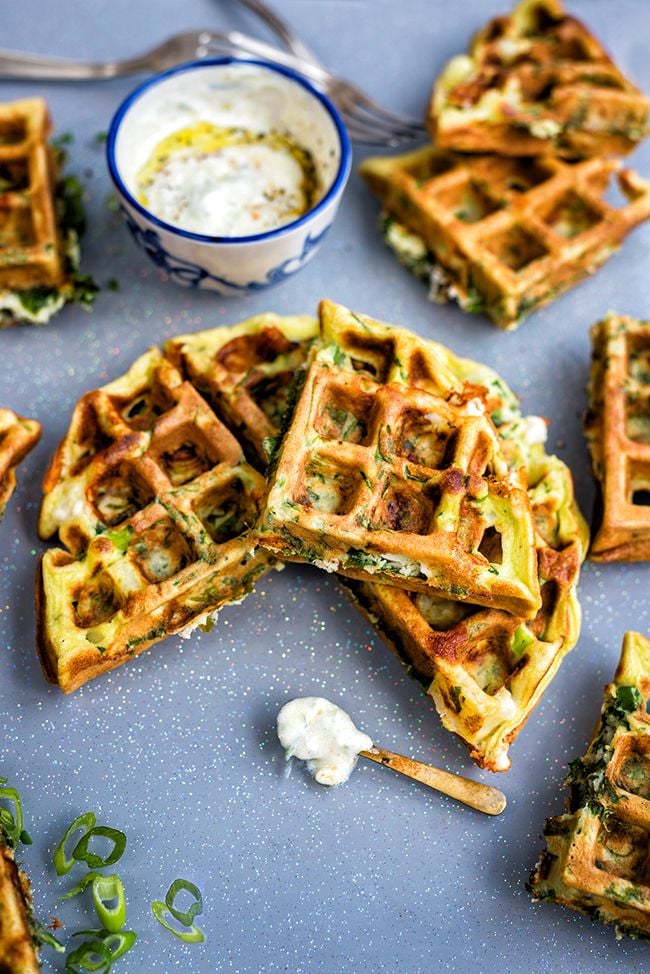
<point x="14" y="64"/>
<point x="484" y="798"/>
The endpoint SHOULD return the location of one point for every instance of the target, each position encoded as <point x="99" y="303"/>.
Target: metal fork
<point x="371" y="118"/>
<point x="191" y="45"/>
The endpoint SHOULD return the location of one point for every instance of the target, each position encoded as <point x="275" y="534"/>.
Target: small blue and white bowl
<point x="234" y="93"/>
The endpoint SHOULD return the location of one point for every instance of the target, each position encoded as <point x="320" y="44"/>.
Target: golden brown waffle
<point x="596" y="858"/>
<point x="618" y="434"/>
<point x="18" y="954"/>
<point x="29" y="246"/>
<point x="245" y="372"/>
<point x="384" y="481"/>
<point x="154" y="500"/>
<point x="484" y="668"/>
<point x="17" y="437"/>
<point x="509" y="234"/>
<point x="536" y="82"/>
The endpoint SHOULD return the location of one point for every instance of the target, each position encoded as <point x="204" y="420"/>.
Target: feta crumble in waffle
<point x="41" y="218"/>
<point x="383" y="481"/>
<point x="484" y="668"/>
<point x="618" y="434"/>
<point x="502" y="236"/>
<point x="535" y="82"/>
<point x="245" y="372"/>
<point x="154" y="500"/>
<point x="17" y="437"/>
<point x="596" y="858"/>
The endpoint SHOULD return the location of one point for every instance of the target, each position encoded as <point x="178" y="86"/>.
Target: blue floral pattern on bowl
<point x="188" y="274"/>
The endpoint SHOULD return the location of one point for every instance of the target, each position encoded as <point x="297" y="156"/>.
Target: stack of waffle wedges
<point x="508" y="207"/>
<point x="352" y="445"/>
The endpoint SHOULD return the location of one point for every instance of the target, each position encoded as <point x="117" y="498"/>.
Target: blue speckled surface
<point x="178" y="747"/>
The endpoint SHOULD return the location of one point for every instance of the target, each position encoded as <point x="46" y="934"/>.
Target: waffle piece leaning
<point x="485" y="668"/>
<point x="41" y="219"/>
<point x="499" y="235"/>
<point x="17" y="437"/>
<point x="596" y="859"/>
<point x="536" y="82"/>
<point x="378" y="479"/>
<point x="18" y="952"/>
<point x="154" y="501"/>
<point x="618" y="434"/>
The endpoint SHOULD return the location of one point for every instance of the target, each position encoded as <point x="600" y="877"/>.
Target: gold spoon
<point x="484" y="798"/>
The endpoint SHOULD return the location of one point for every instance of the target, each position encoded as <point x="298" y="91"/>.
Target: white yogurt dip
<point x="228" y="182"/>
<point x="228" y="150"/>
<point x="317" y="731"/>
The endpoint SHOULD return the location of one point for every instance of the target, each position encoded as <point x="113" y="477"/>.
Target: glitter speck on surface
<point x="178" y="747"/>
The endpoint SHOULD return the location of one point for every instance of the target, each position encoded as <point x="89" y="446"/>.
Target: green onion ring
<point x="91" y="955"/>
<point x="44" y="937"/>
<point x="190" y="936"/>
<point x="125" y="939"/>
<point x="81" y="885"/>
<point x="187" y="917"/>
<point x="107" y="888"/>
<point x="62" y="864"/>
<point x="82" y="854"/>
<point x="11" y="823"/>
<point x="104" y="888"/>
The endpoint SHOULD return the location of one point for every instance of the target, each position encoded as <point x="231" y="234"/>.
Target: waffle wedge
<point x="536" y="82"/>
<point x="17" y="437"/>
<point x="245" y="372"/>
<point x="18" y="953"/>
<point x="41" y="218"/>
<point x="502" y="236"/>
<point x="381" y="480"/>
<point x="596" y="858"/>
<point x="154" y="501"/>
<point x="618" y="434"/>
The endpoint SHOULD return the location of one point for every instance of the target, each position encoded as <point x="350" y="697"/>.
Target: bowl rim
<point x="337" y="184"/>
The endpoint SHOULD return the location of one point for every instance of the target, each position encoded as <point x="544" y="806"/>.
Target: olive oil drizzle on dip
<point x="228" y="182"/>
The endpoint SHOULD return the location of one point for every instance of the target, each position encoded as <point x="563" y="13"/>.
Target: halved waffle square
<point x="618" y="434"/>
<point x="597" y="856"/>
<point x="154" y="500"/>
<point x="17" y="437"/>
<point x="18" y="955"/>
<point x="245" y="372"/>
<point x="484" y="668"/>
<point x="508" y="234"/>
<point x="41" y="219"/>
<point x="536" y="82"/>
<point x="381" y="480"/>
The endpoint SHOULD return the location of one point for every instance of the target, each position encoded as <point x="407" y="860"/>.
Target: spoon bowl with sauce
<point x="229" y="172"/>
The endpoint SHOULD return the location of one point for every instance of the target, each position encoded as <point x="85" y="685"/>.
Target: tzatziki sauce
<point x="315" y="730"/>
<point x="227" y="181"/>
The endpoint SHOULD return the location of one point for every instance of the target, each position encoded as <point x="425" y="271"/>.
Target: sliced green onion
<point x="82" y="854"/>
<point x="11" y="823"/>
<point x="192" y="935"/>
<point x="91" y="955"/>
<point x="62" y="864"/>
<point x="44" y="937"/>
<point x="124" y="940"/>
<point x="186" y="917"/>
<point x="105" y="889"/>
<point x="81" y="885"/>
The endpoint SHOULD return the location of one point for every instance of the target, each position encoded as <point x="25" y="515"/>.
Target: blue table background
<point x="178" y="747"/>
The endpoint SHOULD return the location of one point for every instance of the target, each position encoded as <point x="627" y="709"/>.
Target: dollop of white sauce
<point x="315" y="730"/>
<point x="235" y="192"/>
